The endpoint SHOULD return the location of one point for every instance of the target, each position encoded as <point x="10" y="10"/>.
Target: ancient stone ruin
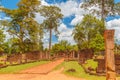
<point x="32" y="56"/>
<point x="14" y="58"/>
<point x="73" y="55"/>
<point x="85" y="55"/>
<point x="109" y="55"/>
<point x="117" y="64"/>
<point x="27" y="57"/>
<point x="101" y="65"/>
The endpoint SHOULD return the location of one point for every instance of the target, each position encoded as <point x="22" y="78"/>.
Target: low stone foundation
<point x="101" y="65"/>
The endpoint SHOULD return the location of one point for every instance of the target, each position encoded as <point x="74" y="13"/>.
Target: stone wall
<point x="73" y="55"/>
<point x="32" y="56"/>
<point x="27" y="57"/>
<point x="117" y="63"/>
<point x="101" y="65"/>
<point x="44" y="55"/>
<point x="14" y="58"/>
<point x="85" y="55"/>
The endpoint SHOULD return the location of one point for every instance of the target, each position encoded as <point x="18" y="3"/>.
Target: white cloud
<point x="44" y="3"/>
<point x="7" y="35"/>
<point x="46" y="40"/>
<point x="77" y="19"/>
<point x="68" y="8"/>
<point x="46" y="45"/>
<point x="39" y="18"/>
<point x="114" y="24"/>
<point x="62" y="27"/>
<point x="80" y="12"/>
<point x="71" y="7"/>
<point x="5" y="18"/>
<point x="66" y="34"/>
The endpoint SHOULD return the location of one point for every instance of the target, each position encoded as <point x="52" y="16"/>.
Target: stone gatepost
<point x="109" y="56"/>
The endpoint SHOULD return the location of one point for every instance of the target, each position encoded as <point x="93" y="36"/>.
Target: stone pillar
<point x="109" y="56"/>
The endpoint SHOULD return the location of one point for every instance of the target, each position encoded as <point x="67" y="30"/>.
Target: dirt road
<point x="55" y="75"/>
<point x="42" y="72"/>
<point x="43" y="69"/>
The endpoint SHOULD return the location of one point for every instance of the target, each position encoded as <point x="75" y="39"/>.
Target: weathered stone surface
<point x="117" y="57"/>
<point x="32" y="56"/>
<point x="44" y="55"/>
<point x="110" y="75"/>
<point x="72" y="55"/>
<point x="85" y="55"/>
<point x="117" y="62"/>
<point x="14" y="58"/>
<point x="117" y="67"/>
<point x="110" y="61"/>
<point x="101" y="66"/>
<point x="109" y="56"/>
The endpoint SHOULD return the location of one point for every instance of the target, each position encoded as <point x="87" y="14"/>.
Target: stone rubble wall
<point x="101" y="65"/>
<point x="27" y="57"/>
<point x="85" y="55"/>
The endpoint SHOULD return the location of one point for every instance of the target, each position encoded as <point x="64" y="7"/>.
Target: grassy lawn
<point x="17" y="68"/>
<point x="79" y="71"/>
<point x="91" y="63"/>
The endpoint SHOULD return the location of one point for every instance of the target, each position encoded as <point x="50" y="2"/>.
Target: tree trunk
<point x="103" y="11"/>
<point x="50" y="40"/>
<point x="21" y="44"/>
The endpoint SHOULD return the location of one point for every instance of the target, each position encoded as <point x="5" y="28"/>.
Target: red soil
<point x="42" y="72"/>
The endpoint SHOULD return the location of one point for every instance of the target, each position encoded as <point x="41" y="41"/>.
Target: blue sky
<point x="116" y="1"/>
<point x="12" y="4"/>
<point x="70" y="17"/>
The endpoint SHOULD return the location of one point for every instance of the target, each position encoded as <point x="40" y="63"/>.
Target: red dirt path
<point x="43" y="69"/>
<point x="40" y="73"/>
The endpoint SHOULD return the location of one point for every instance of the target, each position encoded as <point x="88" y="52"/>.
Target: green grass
<point x="91" y="63"/>
<point x="17" y="68"/>
<point x="79" y="71"/>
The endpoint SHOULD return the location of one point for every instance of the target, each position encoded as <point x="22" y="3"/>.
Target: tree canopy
<point x="22" y="24"/>
<point x="97" y="43"/>
<point x="2" y="39"/>
<point x="64" y="47"/>
<point x="53" y="16"/>
<point x="108" y="7"/>
<point x="88" y="30"/>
